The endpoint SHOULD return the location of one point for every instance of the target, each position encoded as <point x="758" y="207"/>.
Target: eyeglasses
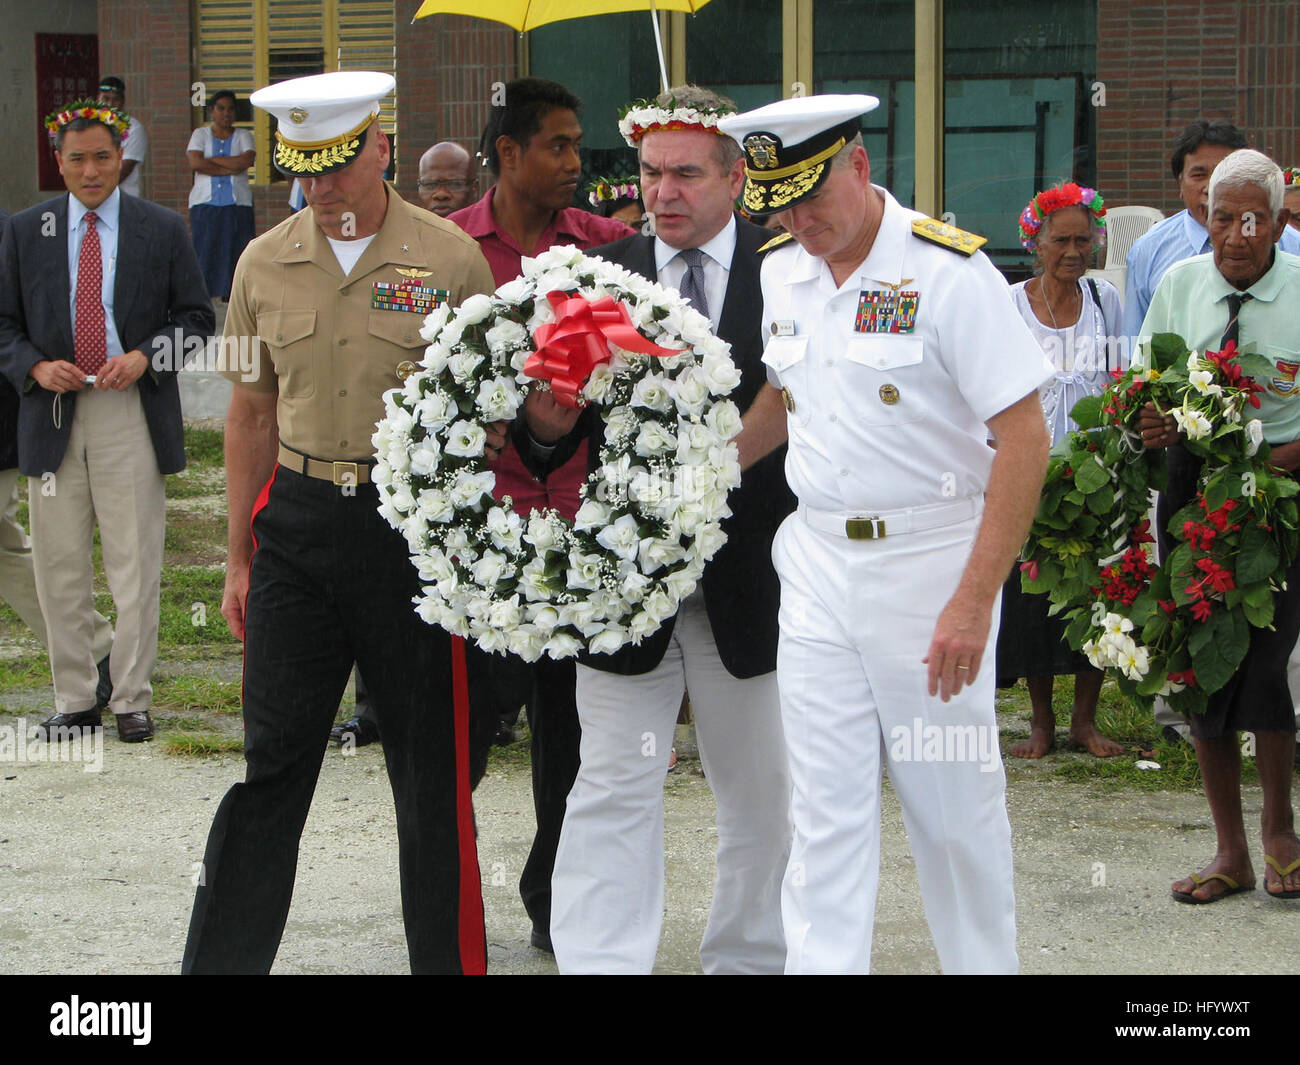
<point x="434" y="186"/>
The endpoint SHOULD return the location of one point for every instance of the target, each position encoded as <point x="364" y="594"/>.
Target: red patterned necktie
<point x="90" y="344"/>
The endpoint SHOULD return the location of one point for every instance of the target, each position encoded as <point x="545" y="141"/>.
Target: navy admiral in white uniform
<point x="899" y="354"/>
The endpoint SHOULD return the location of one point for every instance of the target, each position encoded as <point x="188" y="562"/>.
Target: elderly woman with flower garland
<point x="1244" y="293"/>
<point x="1074" y="319"/>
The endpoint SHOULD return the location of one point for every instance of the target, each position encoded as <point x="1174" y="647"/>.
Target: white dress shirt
<point x="718" y="253"/>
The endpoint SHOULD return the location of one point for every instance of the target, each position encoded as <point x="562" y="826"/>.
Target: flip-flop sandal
<point x="1233" y="889"/>
<point x="1282" y="874"/>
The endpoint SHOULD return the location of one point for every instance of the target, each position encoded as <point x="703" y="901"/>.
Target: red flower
<point x="1141" y="533"/>
<point x="1030" y="567"/>
<point x="1202" y="610"/>
<point x="1168" y="606"/>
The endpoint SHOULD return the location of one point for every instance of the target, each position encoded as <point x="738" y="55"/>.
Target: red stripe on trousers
<point x="259" y="504"/>
<point x="473" y="948"/>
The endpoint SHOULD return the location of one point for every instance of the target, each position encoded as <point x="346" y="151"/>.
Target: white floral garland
<point x="638" y="121"/>
<point x="652" y="511"/>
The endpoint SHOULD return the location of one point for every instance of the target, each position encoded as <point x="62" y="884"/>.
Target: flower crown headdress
<point x="1291" y="177"/>
<point x="645" y="116"/>
<point x="1056" y="198"/>
<point x="606" y="189"/>
<point x="109" y="116"/>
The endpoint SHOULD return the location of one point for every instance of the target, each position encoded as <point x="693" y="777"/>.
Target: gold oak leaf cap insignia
<point x="322" y="119"/>
<point x="789" y="145"/>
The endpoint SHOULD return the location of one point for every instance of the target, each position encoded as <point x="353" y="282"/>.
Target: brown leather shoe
<point x="59" y="726"/>
<point x="135" y="728"/>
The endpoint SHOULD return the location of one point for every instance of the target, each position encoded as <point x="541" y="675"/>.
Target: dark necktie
<point x="692" y="289"/>
<point x="1235" y="300"/>
<point x="90" y="342"/>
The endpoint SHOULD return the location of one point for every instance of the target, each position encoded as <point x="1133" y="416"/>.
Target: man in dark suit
<point x="608" y="884"/>
<point x="100" y="294"/>
<point x="17" y="579"/>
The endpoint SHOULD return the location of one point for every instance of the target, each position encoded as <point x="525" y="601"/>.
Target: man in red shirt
<point x="531" y="146"/>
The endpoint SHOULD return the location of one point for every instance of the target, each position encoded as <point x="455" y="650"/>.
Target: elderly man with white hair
<point x="1246" y="290"/>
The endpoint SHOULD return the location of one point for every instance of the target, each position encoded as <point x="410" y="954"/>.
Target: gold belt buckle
<point x="864" y="529"/>
<point x="346" y="473"/>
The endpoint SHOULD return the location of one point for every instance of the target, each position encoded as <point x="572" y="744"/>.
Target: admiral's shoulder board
<point x="947" y="236"/>
<point x="776" y="242"/>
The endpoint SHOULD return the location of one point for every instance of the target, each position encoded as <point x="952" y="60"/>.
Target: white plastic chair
<point x="1123" y="227"/>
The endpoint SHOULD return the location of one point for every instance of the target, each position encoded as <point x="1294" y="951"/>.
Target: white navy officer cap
<point x="323" y="119"/>
<point x="789" y="145"/>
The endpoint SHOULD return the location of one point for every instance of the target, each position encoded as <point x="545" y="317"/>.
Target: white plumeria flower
<point x="1202" y="381"/>
<point x="1117" y="624"/>
<point x="1192" y="423"/>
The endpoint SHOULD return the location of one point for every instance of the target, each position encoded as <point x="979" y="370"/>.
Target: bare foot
<point x="1209" y="890"/>
<point x="1285" y="850"/>
<point x="1042" y="738"/>
<point x="1097" y="745"/>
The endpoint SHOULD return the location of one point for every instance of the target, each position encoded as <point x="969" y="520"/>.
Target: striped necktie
<point x="1235" y="300"/>
<point x="692" y="289"/>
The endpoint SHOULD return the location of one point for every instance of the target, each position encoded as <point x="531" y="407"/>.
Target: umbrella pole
<point x="659" y="47"/>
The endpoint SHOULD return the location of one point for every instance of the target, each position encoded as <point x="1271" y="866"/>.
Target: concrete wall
<point x="21" y="22"/>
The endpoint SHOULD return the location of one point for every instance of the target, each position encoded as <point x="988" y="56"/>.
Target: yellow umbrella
<point x="529" y="14"/>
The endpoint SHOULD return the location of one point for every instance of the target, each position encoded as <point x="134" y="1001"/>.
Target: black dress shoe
<point x="135" y="728"/>
<point x="362" y="731"/>
<point x="541" y="940"/>
<point x="104" y="689"/>
<point x="58" y="727"/>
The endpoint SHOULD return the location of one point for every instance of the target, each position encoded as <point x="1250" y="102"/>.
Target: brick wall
<point x="1165" y="63"/>
<point x="147" y="44"/>
<point x="446" y="66"/>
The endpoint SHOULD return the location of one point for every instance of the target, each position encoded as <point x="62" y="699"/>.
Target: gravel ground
<point x="96" y="871"/>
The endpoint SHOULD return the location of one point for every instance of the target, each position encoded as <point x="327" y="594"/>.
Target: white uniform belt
<point x="875" y="525"/>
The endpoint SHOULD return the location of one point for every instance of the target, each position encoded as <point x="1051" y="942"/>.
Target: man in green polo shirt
<point x="1246" y="290"/>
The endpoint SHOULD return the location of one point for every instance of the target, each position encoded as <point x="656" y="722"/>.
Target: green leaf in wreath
<point x="1167" y="350"/>
<point x="1217" y="648"/>
<point x="1259" y="615"/>
<point x="1100" y="501"/>
<point x="1087" y="412"/>
<point x="1216" y="491"/>
<point x="1090" y="475"/>
<point x="1257" y="557"/>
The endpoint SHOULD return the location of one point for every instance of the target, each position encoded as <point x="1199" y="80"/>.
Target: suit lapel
<point x="52" y="262"/>
<point x="742" y="283"/>
<point x="132" y="232"/>
<point x="641" y="258"/>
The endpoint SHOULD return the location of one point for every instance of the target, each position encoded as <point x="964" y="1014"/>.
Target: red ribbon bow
<point x="578" y="341"/>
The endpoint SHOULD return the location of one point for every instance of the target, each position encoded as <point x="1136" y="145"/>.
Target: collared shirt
<point x="886" y="420"/>
<point x="1192" y="301"/>
<point x="569" y="226"/>
<point x="718" y="253"/>
<point x="108" y="214"/>
<point x="134" y="147"/>
<point x="325" y="347"/>
<point x="1169" y="241"/>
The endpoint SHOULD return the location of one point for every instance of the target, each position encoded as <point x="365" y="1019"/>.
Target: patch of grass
<point x="17" y="674"/>
<point x="196" y="482"/>
<point x="193" y="692"/>
<point x="201" y="744"/>
<point x="205" y="447"/>
<point x="190" y="609"/>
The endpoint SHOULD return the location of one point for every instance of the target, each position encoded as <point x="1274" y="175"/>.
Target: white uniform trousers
<point x="17" y="579"/>
<point x="857" y="617"/>
<point x="109" y="475"/>
<point x="608" y="886"/>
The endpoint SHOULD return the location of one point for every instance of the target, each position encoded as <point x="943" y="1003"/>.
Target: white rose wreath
<point x="651" y="512"/>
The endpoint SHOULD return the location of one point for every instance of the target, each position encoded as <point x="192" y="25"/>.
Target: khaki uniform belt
<point x="891" y="522"/>
<point x="352" y="472"/>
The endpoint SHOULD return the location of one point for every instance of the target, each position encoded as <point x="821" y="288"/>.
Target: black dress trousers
<point x="331" y="585"/>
